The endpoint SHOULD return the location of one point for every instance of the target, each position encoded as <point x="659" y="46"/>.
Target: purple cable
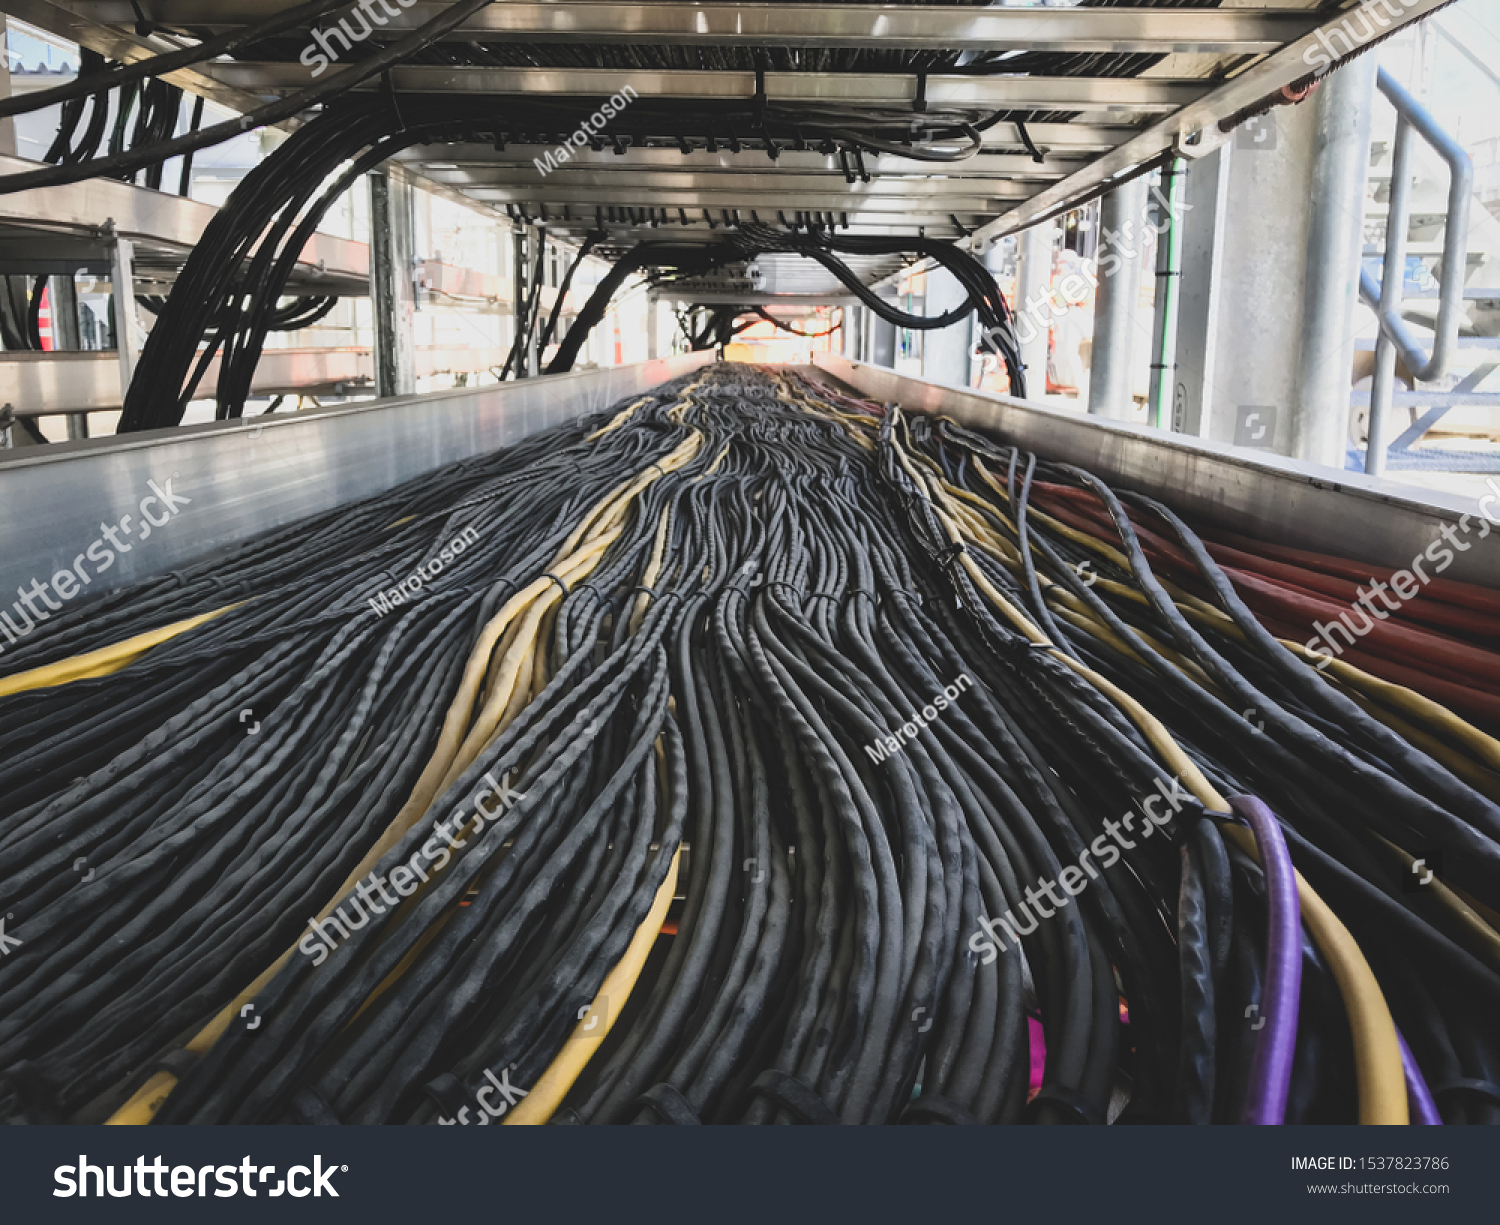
<point x="1271" y="1066"/>
<point x="1419" y="1102"/>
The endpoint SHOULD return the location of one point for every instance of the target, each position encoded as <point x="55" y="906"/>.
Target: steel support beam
<point x="627" y="183"/>
<point x="737" y="298"/>
<point x="392" y="289"/>
<point x="521" y="264"/>
<point x="528" y="242"/>
<point x="767" y="203"/>
<point x="1128" y="94"/>
<point x="1112" y="370"/>
<point x="468" y="162"/>
<point x="533" y="355"/>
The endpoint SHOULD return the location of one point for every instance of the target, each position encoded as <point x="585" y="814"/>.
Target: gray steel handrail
<point x="1386" y="297"/>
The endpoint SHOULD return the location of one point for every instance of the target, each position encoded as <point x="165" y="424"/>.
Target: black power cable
<point x="728" y="616"/>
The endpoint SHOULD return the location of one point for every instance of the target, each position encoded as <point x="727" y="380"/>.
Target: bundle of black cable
<point x="694" y="788"/>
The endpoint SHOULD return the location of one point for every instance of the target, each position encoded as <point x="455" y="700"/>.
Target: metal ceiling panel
<point x="1229" y="31"/>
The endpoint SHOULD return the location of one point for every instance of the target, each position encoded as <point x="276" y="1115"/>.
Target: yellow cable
<point x="104" y="661"/>
<point x="1486" y="782"/>
<point x="587" y="1036"/>
<point x="144" y="1103"/>
<point x="1477" y="936"/>
<point x="597" y="528"/>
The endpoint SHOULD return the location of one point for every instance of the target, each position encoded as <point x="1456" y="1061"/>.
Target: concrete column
<point x="1335" y="241"/>
<point x="8" y="125"/>
<point x="122" y="277"/>
<point x="1205" y="197"/>
<point x="883" y="338"/>
<point x="849" y="331"/>
<point x="392" y="294"/>
<point x="1033" y="318"/>
<point x="945" y="351"/>
<point x="653" y="327"/>
<point x="1121" y="222"/>
<point x="62" y="298"/>
<point x="62" y="295"/>
<point x="1262" y="274"/>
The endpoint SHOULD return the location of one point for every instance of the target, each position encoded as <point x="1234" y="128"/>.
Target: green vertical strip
<point x="1162" y="410"/>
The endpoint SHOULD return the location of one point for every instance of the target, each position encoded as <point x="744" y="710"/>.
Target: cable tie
<point x="1192" y="810"/>
<point x="650" y="591"/>
<point x="555" y="579"/>
<point x="946" y="556"/>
